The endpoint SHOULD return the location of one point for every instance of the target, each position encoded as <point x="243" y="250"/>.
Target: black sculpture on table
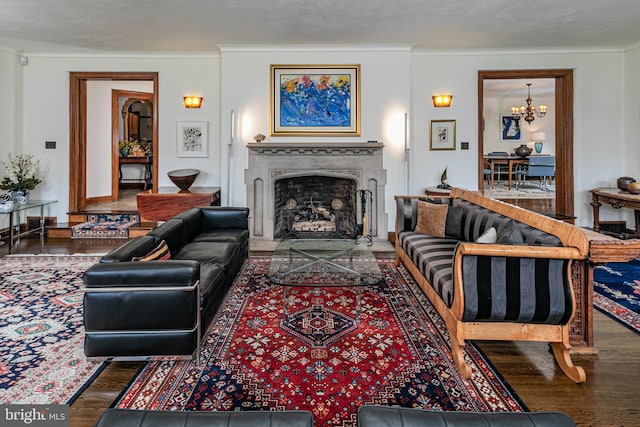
<point x="444" y="182"/>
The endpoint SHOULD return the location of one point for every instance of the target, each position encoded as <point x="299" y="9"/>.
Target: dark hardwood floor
<point x="608" y="398"/>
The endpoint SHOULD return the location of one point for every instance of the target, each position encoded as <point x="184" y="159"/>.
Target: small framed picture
<point x="509" y="129"/>
<point x="193" y="140"/>
<point x="443" y="135"/>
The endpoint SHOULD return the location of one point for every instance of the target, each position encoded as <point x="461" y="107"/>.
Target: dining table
<point x="510" y="160"/>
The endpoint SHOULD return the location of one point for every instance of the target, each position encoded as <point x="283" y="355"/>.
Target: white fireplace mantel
<point x="269" y="162"/>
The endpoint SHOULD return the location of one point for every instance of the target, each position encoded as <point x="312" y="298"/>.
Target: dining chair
<point x="543" y="167"/>
<point x="495" y="166"/>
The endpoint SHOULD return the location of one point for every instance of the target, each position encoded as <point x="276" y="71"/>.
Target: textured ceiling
<point x="35" y="26"/>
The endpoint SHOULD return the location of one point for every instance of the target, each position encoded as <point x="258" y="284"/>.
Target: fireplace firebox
<point x="314" y="207"/>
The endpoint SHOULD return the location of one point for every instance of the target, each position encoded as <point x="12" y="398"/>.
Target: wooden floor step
<point x="141" y="229"/>
<point x="60" y="230"/>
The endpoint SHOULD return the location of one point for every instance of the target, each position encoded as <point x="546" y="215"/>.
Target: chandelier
<point x="529" y="112"/>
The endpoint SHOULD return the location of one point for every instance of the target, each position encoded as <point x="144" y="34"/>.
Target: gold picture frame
<point x="442" y="135"/>
<point x="315" y="100"/>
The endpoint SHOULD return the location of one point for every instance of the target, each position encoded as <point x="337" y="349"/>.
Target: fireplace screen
<point x="315" y="207"/>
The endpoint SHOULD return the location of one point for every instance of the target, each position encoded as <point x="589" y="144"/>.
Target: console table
<point x="146" y="162"/>
<point x="15" y="212"/>
<point x="617" y="199"/>
<point x="169" y="201"/>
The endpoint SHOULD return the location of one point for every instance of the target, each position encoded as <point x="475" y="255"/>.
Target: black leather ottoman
<point x="132" y="418"/>
<point x="385" y="416"/>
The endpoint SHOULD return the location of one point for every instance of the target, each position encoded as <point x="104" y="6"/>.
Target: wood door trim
<point x="78" y="131"/>
<point x="564" y="128"/>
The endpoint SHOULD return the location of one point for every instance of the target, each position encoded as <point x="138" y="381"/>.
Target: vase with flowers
<point x="126" y="146"/>
<point x="21" y="175"/>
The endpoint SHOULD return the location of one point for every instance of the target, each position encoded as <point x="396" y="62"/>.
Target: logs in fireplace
<point x="315" y="207"/>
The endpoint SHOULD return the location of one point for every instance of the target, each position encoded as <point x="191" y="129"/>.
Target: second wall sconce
<point x="192" y="101"/>
<point x="442" y="100"/>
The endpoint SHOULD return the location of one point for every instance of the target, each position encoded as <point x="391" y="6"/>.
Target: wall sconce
<point x="442" y="100"/>
<point x="192" y="101"/>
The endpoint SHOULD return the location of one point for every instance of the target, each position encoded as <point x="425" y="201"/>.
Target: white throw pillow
<point x="489" y="236"/>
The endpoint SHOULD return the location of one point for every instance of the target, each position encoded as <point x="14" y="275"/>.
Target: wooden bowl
<point x="183" y="178"/>
<point x="634" y="187"/>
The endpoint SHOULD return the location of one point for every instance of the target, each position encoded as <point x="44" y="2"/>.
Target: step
<point x="62" y="230"/>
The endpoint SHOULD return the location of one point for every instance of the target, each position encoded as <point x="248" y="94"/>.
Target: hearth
<point x="314" y="207"/>
<point x="311" y="189"/>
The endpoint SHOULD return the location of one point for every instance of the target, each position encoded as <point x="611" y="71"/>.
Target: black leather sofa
<point x="368" y="416"/>
<point x="133" y="418"/>
<point x="384" y="416"/>
<point x="137" y="309"/>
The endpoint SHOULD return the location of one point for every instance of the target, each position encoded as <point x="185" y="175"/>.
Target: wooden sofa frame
<point x="575" y="247"/>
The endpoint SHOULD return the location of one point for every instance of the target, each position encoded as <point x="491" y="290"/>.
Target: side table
<point x="15" y="212"/>
<point x="435" y="191"/>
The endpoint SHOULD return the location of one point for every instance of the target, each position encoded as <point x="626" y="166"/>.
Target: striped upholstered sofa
<point x="518" y="289"/>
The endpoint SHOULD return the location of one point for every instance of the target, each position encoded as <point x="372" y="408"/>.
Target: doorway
<point x="78" y="131"/>
<point x="564" y="205"/>
<point x="131" y="121"/>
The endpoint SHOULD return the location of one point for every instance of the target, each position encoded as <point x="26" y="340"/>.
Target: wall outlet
<point x="464" y="145"/>
<point x="50" y="144"/>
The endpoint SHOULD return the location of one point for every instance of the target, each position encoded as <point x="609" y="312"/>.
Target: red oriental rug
<point x="41" y="330"/>
<point x="320" y="358"/>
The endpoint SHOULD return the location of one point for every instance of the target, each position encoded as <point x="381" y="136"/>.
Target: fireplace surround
<point x="273" y="165"/>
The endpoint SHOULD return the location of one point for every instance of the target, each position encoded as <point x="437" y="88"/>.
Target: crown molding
<point x="521" y="51"/>
<point x="226" y="48"/>
<point x="126" y="55"/>
<point x="633" y="47"/>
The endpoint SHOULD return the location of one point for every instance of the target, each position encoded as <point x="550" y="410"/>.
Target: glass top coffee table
<point x="324" y="263"/>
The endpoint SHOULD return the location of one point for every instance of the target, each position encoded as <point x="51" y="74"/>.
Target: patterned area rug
<point x="320" y="358"/>
<point x="105" y="226"/>
<point x="41" y="331"/>
<point x="617" y="291"/>
<point x="529" y="190"/>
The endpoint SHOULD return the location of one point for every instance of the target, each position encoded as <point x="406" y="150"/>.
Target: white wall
<point x="631" y="154"/>
<point x="10" y="100"/>
<point x="10" y="105"/>
<point x="598" y="115"/>
<point x="394" y="80"/>
<point x="385" y="97"/>
<point x="632" y="112"/>
<point x="46" y="112"/>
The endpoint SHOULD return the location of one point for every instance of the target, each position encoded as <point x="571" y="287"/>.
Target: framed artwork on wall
<point x="193" y="140"/>
<point x="509" y="129"/>
<point x="315" y="100"/>
<point x="443" y="135"/>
